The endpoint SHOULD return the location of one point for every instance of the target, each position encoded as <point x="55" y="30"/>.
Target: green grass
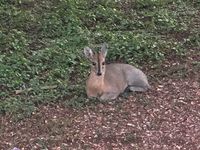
<point x="41" y="44"/>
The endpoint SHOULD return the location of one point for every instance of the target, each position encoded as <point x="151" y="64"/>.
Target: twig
<point x="30" y="89"/>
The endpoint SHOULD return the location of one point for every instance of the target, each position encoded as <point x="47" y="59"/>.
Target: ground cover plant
<point x="42" y="62"/>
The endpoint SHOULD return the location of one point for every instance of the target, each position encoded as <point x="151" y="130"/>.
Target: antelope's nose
<point x="99" y="73"/>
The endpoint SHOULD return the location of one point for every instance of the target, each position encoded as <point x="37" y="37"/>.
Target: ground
<point x="165" y="117"/>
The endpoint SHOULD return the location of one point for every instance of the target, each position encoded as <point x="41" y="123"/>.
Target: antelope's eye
<point x="103" y="63"/>
<point x="93" y="63"/>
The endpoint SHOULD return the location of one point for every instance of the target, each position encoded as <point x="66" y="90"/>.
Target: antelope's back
<point x="123" y="75"/>
<point x="115" y="77"/>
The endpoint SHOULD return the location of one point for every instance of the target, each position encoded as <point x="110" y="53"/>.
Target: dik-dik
<point x="108" y="81"/>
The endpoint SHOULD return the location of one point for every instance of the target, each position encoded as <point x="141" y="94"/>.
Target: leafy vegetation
<point x="41" y="44"/>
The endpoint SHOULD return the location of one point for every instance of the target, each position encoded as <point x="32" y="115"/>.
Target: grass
<point x="42" y="43"/>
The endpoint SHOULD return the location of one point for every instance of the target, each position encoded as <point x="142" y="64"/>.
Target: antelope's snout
<point x="99" y="73"/>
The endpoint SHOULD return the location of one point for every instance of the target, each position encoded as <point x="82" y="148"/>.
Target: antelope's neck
<point x="95" y="83"/>
<point x="96" y="80"/>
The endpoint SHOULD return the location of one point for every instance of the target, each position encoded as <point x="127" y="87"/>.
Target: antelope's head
<point x="97" y="59"/>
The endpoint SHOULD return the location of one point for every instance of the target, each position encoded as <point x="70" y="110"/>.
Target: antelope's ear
<point x="88" y="53"/>
<point x="104" y="49"/>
